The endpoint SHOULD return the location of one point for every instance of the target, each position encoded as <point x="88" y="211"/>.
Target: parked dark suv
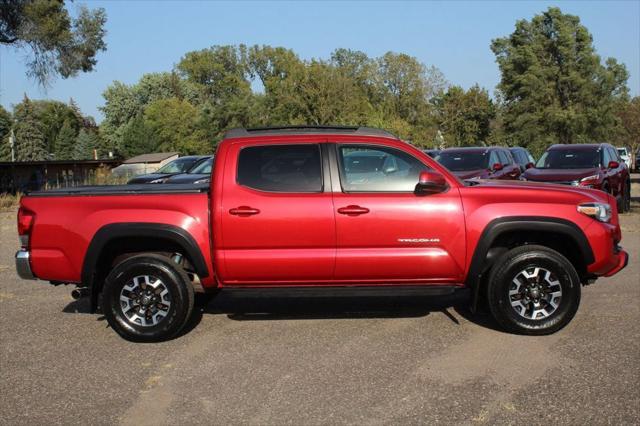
<point x="480" y="163"/>
<point x="523" y="157"/>
<point x="596" y="166"/>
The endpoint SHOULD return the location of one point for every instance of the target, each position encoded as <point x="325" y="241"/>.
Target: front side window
<point x="203" y="168"/>
<point x="504" y="158"/>
<point x="180" y="165"/>
<point x="494" y="159"/>
<point x="281" y="168"/>
<point x="377" y="169"/>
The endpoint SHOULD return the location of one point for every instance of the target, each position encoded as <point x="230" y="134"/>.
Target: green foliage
<point x="5" y="130"/>
<point x="174" y="123"/>
<point x="30" y="142"/>
<point x="86" y="142"/>
<point x="464" y="117"/>
<point x="555" y="88"/>
<point x="65" y="142"/>
<point x="137" y="138"/>
<point x="629" y="116"/>
<point x="214" y="89"/>
<point x="59" y="45"/>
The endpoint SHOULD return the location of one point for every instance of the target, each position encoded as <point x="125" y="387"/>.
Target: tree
<point x="59" y="44"/>
<point x="137" y="138"/>
<point x="174" y="123"/>
<point x="554" y="86"/>
<point x="65" y="142"/>
<point x="86" y="142"/>
<point x="464" y="118"/>
<point x="5" y="130"/>
<point x="30" y="143"/>
<point x="220" y="71"/>
<point x="629" y="115"/>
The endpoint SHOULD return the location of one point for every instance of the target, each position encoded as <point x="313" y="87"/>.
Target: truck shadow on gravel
<point x="280" y="308"/>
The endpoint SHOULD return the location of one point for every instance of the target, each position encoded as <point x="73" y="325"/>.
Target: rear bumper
<point x="623" y="261"/>
<point x="23" y="265"/>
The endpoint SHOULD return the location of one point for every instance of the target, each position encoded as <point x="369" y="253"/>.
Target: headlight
<point x="598" y="211"/>
<point x="589" y="180"/>
<point x="205" y="180"/>
<point x="160" y="180"/>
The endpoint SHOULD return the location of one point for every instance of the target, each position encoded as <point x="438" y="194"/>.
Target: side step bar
<point x="345" y="291"/>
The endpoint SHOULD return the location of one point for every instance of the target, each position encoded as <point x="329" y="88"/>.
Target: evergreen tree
<point x="86" y="142"/>
<point x="30" y="144"/>
<point x="65" y="142"/>
<point x="5" y="130"/>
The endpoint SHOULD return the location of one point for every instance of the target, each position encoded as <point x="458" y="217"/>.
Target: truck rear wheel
<point x="533" y="290"/>
<point x="147" y="298"/>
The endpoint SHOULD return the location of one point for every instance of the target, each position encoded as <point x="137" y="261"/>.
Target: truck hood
<point x="559" y="175"/>
<point x="535" y="187"/>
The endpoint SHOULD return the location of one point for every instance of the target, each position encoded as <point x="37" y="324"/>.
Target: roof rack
<point x="291" y="130"/>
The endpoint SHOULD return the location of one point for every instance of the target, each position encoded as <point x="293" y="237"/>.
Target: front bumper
<point x="623" y="261"/>
<point x="23" y="265"/>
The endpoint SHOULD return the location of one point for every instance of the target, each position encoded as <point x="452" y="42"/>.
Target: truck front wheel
<point x="533" y="290"/>
<point x="147" y="298"/>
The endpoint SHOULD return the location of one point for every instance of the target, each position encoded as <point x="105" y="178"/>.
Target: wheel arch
<point x="502" y="234"/>
<point x="121" y="238"/>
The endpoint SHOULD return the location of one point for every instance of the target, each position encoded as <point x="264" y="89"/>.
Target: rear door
<point x="277" y="215"/>
<point x="385" y="232"/>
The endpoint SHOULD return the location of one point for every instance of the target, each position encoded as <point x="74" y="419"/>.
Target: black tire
<point x="605" y="187"/>
<point x="526" y="258"/>
<point x="626" y="197"/>
<point x="171" y="277"/>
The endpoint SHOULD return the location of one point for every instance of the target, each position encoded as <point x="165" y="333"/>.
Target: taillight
<point x="25" y="223"/>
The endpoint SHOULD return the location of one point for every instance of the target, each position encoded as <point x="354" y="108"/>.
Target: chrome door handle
<point x="353" y="210"/>
<point x="244" y="211"/>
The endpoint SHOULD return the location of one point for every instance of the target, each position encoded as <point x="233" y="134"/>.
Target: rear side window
<point x="281" y="168"/>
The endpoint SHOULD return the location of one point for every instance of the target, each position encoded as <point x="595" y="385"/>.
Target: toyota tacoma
<point x="323" y="209"/>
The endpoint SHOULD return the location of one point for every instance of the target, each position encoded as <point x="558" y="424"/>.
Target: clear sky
<point x="151" y="36"/>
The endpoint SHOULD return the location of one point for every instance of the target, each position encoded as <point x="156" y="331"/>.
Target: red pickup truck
<point x="322" y="209"/>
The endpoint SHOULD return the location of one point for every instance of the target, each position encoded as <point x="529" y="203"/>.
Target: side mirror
<point x="529" y="166"/>
<point x="430" y="183"/>
<point x="497" y="167"/>
<point x="613" y="164"/>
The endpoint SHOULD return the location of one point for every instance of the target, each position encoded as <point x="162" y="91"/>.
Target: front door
<point x="278" y="223"/>
<point x="386" y="233"/>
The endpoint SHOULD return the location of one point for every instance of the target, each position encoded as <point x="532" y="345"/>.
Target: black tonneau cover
<point x="139" y="189"/>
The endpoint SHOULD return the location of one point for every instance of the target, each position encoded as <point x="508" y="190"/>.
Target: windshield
<point x="179" y="165"/>
<point x="203" y="168"/>
<point x="569" y="159"/>
<point x="622" y="151"/>
<point x="464" y="161"/>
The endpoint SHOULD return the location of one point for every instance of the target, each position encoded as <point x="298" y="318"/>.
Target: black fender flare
<point x="114" y="231"/>
<point x="499" y="226"/>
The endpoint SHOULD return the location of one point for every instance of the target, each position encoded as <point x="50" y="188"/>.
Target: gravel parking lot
<point x="319" y="361"/>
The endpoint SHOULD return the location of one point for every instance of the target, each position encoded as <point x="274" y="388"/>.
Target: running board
<point x="345" y="291"/>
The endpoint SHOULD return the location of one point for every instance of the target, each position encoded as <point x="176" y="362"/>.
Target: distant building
<point x="22" y="176"/>
<point x="145" y="163"/>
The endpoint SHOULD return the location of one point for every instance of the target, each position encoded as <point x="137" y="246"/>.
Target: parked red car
<point x="323" y="210"/>
<point x="596" y="166"/>
<point x="480" y="163"/>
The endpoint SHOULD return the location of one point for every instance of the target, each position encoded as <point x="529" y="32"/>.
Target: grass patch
<point x="9" y="201"/>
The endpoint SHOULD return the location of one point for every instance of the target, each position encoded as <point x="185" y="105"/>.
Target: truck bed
<point x="139" y="189"/>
